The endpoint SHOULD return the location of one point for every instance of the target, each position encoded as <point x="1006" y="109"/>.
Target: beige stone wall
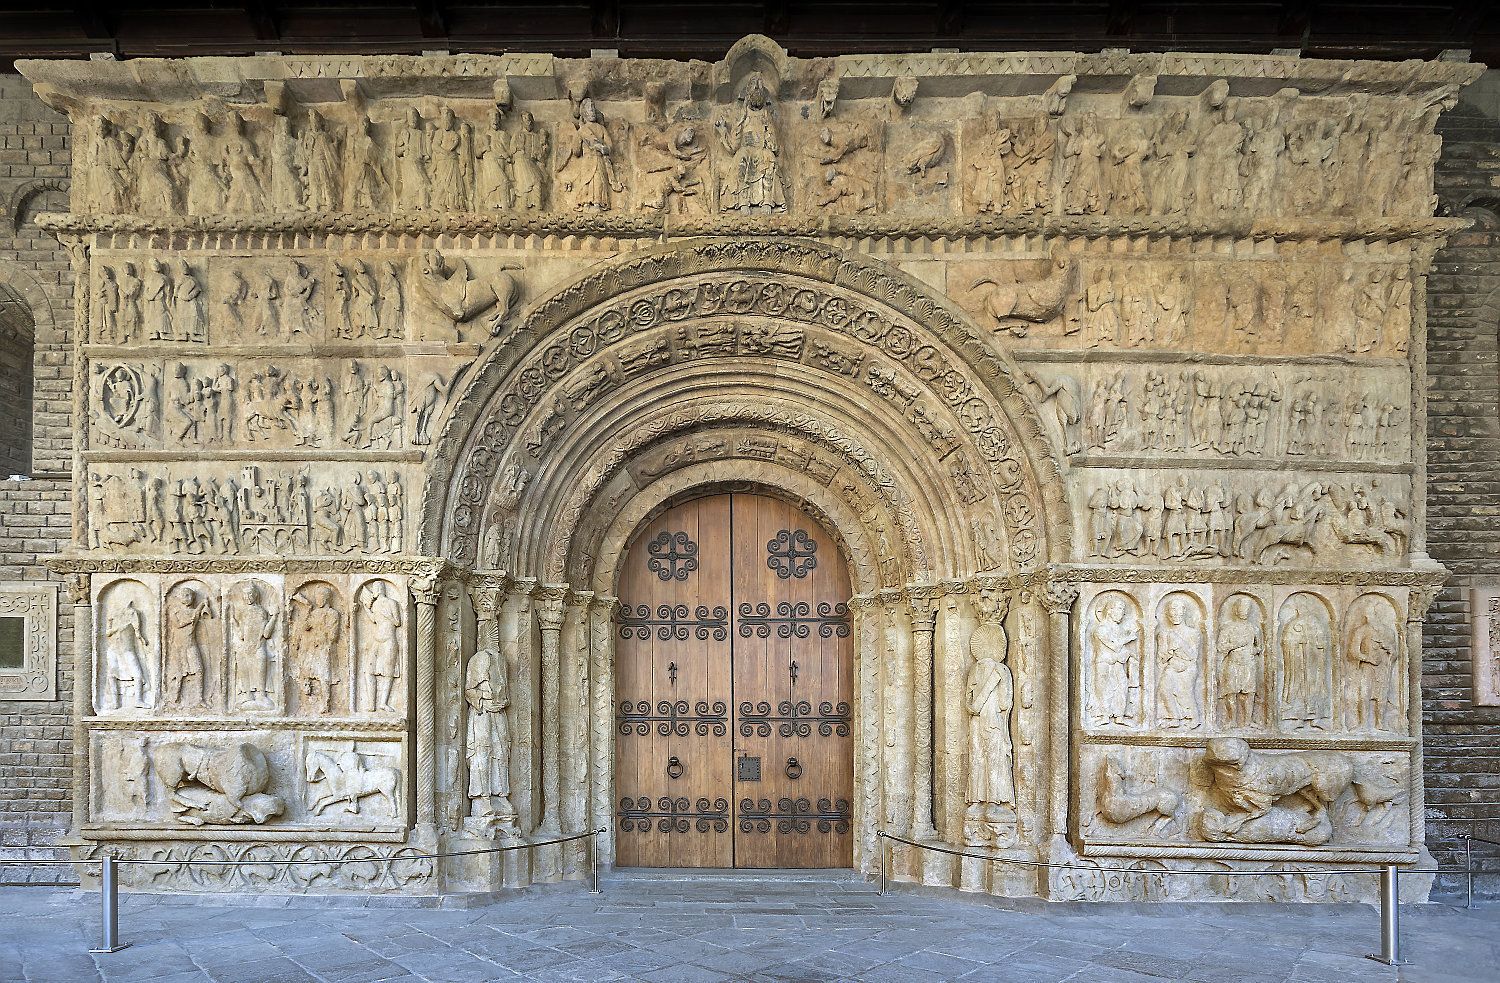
<point x="1105" y="361"/>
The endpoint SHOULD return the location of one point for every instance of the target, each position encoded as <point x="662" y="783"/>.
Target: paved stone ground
<point x="731" y="928"/>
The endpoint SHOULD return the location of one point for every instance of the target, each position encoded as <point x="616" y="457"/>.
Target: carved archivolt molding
<point x="877" y="310"/>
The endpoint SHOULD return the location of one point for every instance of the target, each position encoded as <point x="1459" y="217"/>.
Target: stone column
<point x="923" y="621"/>
<point x="868" y="735"/>
<point x="425" y="594"/>
<point x="602" y="729"/>
<point x="83" y="695"/>
<point x="1417" y="603"/>
<point x="895" y="711"/>
<point x="1059" y="597"/>
<point x="549" y="612"/>
<point x="573" y="725"/>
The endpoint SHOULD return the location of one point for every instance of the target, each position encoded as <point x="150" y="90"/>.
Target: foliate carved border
<point x="424" y="568"/>
<point x="1273" y="576"/>
<point x="36" y="679"/>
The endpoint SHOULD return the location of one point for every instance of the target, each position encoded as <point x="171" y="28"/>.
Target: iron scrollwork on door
<point x="794" y="620"/>
<point x="673" y="815"/>
<point x="794" y="816"/>
<point x="673" y="623"/>
<point x="794" y="719"/>
<point x="673" y="717"/>
<point x="791" y="554"/>
<point x="672" y="555"/>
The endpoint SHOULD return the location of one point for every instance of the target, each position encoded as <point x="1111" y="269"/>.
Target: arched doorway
<point x="734" y="690"/>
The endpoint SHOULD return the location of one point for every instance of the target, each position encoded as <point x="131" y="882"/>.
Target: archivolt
<point x="907" y="355"/>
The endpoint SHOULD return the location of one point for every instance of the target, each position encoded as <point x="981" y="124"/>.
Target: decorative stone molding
<point x="28" y="642"/>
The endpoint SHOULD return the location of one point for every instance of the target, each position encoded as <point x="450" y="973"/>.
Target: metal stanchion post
<point x="1390" y="917"/>
<point x="1468" y="871"/>
<point x="885" y="864"/>
<point x="109" y="908"/>
<point x="593" y="869"/>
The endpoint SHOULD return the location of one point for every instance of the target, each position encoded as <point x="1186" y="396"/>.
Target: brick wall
<point x="1463" y="513"/>
<point x="35" y="515"/>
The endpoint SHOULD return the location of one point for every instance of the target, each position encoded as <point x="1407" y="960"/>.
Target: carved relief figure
<point x="1306" y="651"/>
<point x="528" y="163"/>
<point x="126" y="657"/>
<point x="494" y="188"/>
<point x="1371" y="695"/>
<point x="449" y="163"/>
<point x="1114" y="644"/>
<point x="1122" y="798"/>
<point x="319" y="164"/>
<point x="253" y="629"/>
<point x="384" y="621"/>
<point x="1240" y="641"/>
<point x="365" y="183"/>
<point x="586" y="179"/>
<point x="668" y="159"/>
<point x="218" y="785"/>
<point x="1179" y="661"/>
<point x="487" y="736"/>
<point x="158" y="175"/>
<point x="1279" y="797"/>
<point x="461" y="296"/>
<point x="317" y="625"/>
<point x="1012" y="302"/>
<point x="410" y="151"/>
<point x="750" y="138"/>
<point x="186" y="671"/>
<point x="989" y="698"/>
<point x="347" y="778"/>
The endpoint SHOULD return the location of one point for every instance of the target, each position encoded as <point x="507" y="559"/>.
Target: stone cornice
<point x="540" y="76"/>
<point x="629" y="226"/>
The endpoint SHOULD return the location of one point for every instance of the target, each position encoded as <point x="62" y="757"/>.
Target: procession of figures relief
<point x="769" y="146"/>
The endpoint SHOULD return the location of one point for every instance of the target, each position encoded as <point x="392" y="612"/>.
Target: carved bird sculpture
<point x="926" y="155"/>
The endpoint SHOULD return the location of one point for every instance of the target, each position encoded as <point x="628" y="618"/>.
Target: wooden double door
<point x="734" y="690"/>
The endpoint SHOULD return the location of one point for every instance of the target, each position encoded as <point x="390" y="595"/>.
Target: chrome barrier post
<point x="1468" y="871"/>
<point x="109" y="908"/>
<point x="593" y="869"/>
<point x="885" y="863"/>
<point x="1390" y="917"/>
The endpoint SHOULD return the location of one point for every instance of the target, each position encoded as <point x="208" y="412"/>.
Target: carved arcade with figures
<point x="1021" y="452"/>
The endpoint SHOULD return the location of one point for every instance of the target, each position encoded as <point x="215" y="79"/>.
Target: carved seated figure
<point x="217" y="785"/>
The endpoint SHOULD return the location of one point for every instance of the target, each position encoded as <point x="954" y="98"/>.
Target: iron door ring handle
<point x="674" y="767"/>
<point x="793" y="769"/>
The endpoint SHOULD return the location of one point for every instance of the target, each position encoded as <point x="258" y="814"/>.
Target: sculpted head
<point x="249" y="593"/>
<point x="1227" y="751"/>
<point x="1176" y="611"/>
<point x="186" y="595"/>
<point x="1114" y="610"/>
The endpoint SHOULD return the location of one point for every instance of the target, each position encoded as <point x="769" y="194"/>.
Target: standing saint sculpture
<point x="316" y="627"/>
<point x="586" y="170"/>
<point x="252" y="627"/>
<point x="125" y="658"/>
<point x="1115" y="640"/>
<point x="1179" y="655"/>
<point x="487" y="740"/>
<point x="1305" y="651"/>
<point x="386" y="621"/>
<point x="989" y="698"/>
<point x="751" y="139"/>
<point x="186" y="611"/>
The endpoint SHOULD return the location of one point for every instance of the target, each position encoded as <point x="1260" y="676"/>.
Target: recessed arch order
<point x="763" y="357"/>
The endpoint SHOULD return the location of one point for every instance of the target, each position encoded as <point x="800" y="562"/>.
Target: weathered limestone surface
<point x="1100" y="367"/>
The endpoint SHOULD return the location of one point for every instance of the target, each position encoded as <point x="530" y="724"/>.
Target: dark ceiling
<point x="706" y="28"/>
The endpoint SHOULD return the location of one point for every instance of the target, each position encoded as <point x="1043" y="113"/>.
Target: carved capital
<point x="78" y="588"/>
<point x="1418" y="603"/>
<point x="924" y="609"/>
<point x="1058" y="596"/>
<point x="424" y="589"/>
<point x="550" y="600"/>
<point x="486" y="601"/>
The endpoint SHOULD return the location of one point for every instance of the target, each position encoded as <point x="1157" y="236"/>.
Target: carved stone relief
<point x="28" y="647"/>
<point x="1099" y="364"/>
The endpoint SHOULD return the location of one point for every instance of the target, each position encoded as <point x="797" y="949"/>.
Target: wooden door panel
<point x="672" y="676"/>
<point x="733" y="649"/>
<point x="792" y="654"/>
